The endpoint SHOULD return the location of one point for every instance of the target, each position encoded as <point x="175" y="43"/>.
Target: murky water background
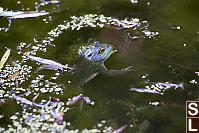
<point x="172" y="57"/>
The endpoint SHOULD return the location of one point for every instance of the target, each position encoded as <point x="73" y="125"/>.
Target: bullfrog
<point x="90" y="62"/>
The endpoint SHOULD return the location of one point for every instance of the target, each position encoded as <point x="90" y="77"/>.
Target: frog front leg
<point x="103" y="70"/>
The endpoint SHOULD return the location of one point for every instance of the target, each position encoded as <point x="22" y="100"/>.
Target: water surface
<point x="170" y="57"/>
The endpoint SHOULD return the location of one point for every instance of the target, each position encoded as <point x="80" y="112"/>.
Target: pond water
<point x="166" y="61"/>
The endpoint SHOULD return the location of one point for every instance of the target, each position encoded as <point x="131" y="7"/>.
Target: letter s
<point x="191" y="107"/>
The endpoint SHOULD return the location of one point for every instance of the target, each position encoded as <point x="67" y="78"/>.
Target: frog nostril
<point x="89" y="55"/>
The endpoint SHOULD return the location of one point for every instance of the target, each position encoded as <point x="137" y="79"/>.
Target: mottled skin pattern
<point x="91" y="63"/>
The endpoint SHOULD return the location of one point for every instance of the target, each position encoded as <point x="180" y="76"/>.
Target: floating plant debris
<point x="20" y="14"/>
<point x="4" y="58"/>
<point x="168" y="85"/>
<point x="30" y="14"/>
<point x="119" y="130"/>
<point x="134" y="1"/>
<point x="74" y="100"/>
<point x="79" y="97"/>
<point x="6" y="13"/>
<point x="57" y="115"/>
<point x="13" y="70"/>
<point x="39" y="119"/>
<point x="28" y="102"/>
<point x="52" y="83"/>
<point x="50" y="63"/>
<point x="46" y="3"/>
<point x="8" y="27"/>
<point x="145" y="90"/>
<point x="94" y="20"/>
<point x="193" y="81"/>
<point x="51" y="67"/>
<point x="197" y="73"/>
<point x="127" y="24"/>
<point x="175" y="27"/>
<point x="154" y="103"/>
<point x="158" y="88"/>
<point x="23" y="100"/>
<point x="14" y="14"/>
<point x="13" y="75"/>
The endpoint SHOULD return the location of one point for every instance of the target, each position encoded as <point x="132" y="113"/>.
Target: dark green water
<point x="165" y="58"/>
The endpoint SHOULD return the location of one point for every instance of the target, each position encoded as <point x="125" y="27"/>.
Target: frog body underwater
<point x="91" y="62"/>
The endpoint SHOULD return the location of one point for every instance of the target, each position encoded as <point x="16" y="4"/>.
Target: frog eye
<point x="101" y="50"/>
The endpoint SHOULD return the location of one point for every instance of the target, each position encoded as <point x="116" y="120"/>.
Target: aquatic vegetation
<point x="94" y="20"/>
<point x="35" y="120"/>
<point x="49" y="118"/>
<point x="39" y="85"/>
<point x="11" y="70"/>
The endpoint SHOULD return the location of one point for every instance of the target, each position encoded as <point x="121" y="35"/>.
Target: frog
<point x="90" y="62"/>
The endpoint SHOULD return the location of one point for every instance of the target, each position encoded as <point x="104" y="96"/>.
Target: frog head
<point x="96" y="52"/>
